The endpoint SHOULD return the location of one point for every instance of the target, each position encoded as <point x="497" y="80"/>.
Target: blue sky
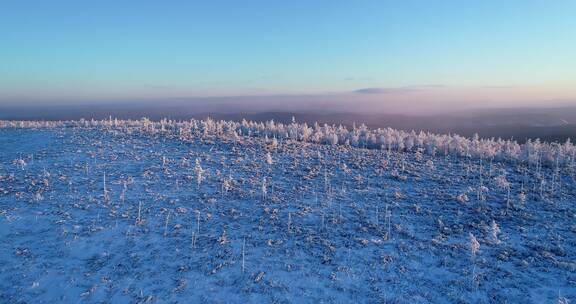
<point x="119" y="49"/>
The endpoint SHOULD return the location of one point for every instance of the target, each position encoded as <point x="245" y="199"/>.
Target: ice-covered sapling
<point x="377" y="217"/>
<point x="274" y="143"/>
<point x="494" y="230"/>
<point x="269" y="160"/>
<point x="198" y="222"/>
<point x="474" y="248"/>
<point x="264" y="188"/>
<point x="106" y="198"/>
<point x="542" y="183"/>
<point x="474" y="245"/>
<point x="388" y="214"/>
<point x="123" y="193"/>
<point x="166" y="223"/>
<point x="199" y="172"/>
<point x="243" y="254"/>
<point x="196" y="234"/>
<point x="326" y="181"/>
<point x="503" y="183"/>
<point x="139" y="218"/>
<point x="226" y="185"/>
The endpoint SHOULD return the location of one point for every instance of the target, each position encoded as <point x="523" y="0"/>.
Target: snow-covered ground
<point x="98" y="215"/>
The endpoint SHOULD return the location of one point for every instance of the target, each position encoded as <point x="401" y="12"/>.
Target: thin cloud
<point x="391" y="90"/>
<point x="375" y="91"/>
<point x="498" y="87"/>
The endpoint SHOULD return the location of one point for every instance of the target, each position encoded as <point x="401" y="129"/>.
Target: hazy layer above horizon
<point x="360" y="56"/>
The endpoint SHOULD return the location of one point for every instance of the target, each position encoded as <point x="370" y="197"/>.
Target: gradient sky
<point x="475" y="50"/>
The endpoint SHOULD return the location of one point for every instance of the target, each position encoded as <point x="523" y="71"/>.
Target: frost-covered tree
<point x="199" y="172"/>
<point x="533" y="152"/>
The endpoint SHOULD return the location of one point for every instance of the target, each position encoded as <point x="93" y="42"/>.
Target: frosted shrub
<point x="418" y="155"/>
<point x="21" y="163"/>
<point x="397" y="194"/>
<point x="522" y="197"/>
<point x="346" y="169"/>
<point x="462" y="198"/>
<point x="502" y="182"/>
<point x="38" y="197"/>
<point x="227" y="184"/>
<point x="561" y="299"/>
<point x="482" y="191"/>
<point x="223" y="239"/>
